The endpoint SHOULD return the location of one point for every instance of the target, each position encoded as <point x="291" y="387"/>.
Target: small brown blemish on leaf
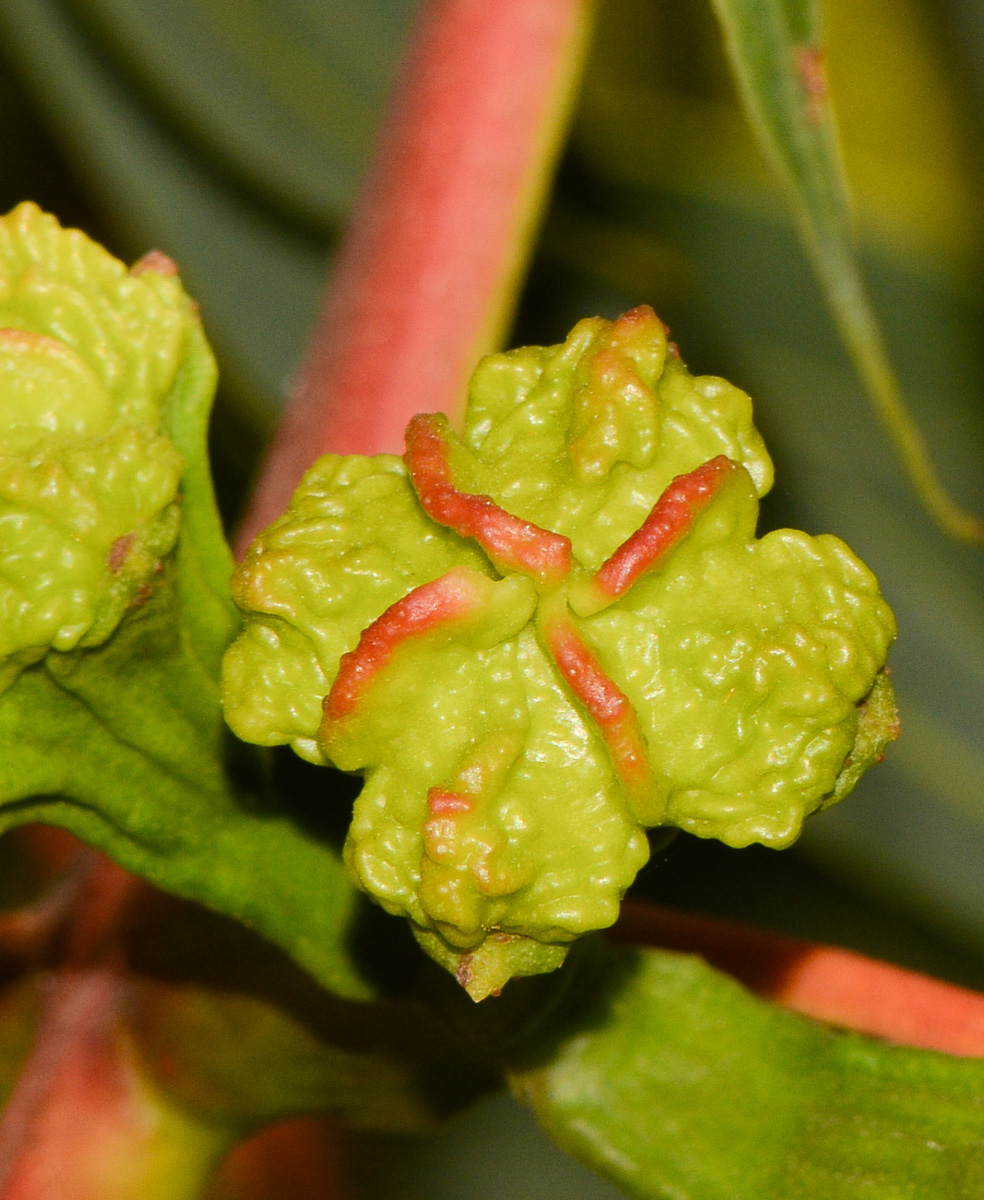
<point x="142" y="596"/>
<point x="156" y="261"/>
<point x="813" y="76"/>
<point x="465" y="974"/>
<point x="118" y="552"/>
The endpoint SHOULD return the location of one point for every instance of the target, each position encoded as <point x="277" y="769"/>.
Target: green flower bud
<point x="544" y="637"/>
<point x="89" y="355"/>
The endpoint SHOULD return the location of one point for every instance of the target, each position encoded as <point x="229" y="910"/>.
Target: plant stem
<point x="776" y="55"/>
<point x="824" y="982"/>
<point x="427" y="276"/>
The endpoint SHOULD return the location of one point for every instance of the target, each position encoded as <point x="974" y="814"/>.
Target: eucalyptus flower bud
<point x="544" y="637"/>
<point x="89" y="506"/>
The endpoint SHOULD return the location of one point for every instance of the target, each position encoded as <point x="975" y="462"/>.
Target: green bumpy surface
<point x="751" y="667"/>
<point x="89" y="354"/>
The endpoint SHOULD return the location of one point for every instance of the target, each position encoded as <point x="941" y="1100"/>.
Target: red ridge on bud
<point x="443" y="802"/>
<point x="444" y="808"/>
<point x="635" y="322"/>
<point x="609" y="708"/>
<point x="451" y="597"/>
<point x="670" y="520"/>
<point x="511" y="542"/>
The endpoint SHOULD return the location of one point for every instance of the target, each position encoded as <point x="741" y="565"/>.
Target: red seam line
<point x="669" y="521"/>
<point x="508" y="540"/>
<point x="606" y="704"/>
<point x="445" y="599"/>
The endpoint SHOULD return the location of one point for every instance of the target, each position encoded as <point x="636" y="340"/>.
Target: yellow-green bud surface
<point x="541" y="638"/>
<point x="89" y="355"/>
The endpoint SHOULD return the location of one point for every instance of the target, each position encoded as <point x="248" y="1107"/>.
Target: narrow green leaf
<point x="676" y="1083"/>
<point x="776" y="54"/>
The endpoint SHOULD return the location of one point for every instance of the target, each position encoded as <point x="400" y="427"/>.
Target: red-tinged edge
<point x="445" y="807"/>
<point x="512" y="543"/>
<point x="671" y="519"/>
<point x="451" y="597"/>
<point x="426" y="280"/>
<point x="841" y="987"/>
<point x="156" y="262"/>
<point x="608" y="707"/>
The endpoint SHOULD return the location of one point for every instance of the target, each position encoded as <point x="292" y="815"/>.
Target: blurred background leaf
<point x="776" y="54"/>
<point x="232" y="137"/>
<point x="233" y="134"/>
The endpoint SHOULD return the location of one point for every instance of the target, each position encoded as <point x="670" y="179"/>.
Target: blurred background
<point x="232" y="136"/>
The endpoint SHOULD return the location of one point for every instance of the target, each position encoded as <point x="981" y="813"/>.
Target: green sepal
<point x="352" y="542"/>
<point x="487" y="969"/>
<point x="583" y="437"/>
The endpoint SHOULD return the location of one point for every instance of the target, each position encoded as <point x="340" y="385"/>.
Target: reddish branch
<point x="301" y="1159"/>
<point x="425" y="280"/>
<point x="68" y="1111"/>
<point x="825" y="982"/>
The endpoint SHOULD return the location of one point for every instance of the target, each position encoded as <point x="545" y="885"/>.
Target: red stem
<point x="824" y="982"/>
<point x="425" y="279"/>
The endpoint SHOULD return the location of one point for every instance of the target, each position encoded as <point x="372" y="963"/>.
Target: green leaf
<point x="125" y="744"/>
<point x="233" y="1032"/>
<point x="776" y="55"/>
<point x="124" y="747"/>
<point x="676" y="1082"/>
